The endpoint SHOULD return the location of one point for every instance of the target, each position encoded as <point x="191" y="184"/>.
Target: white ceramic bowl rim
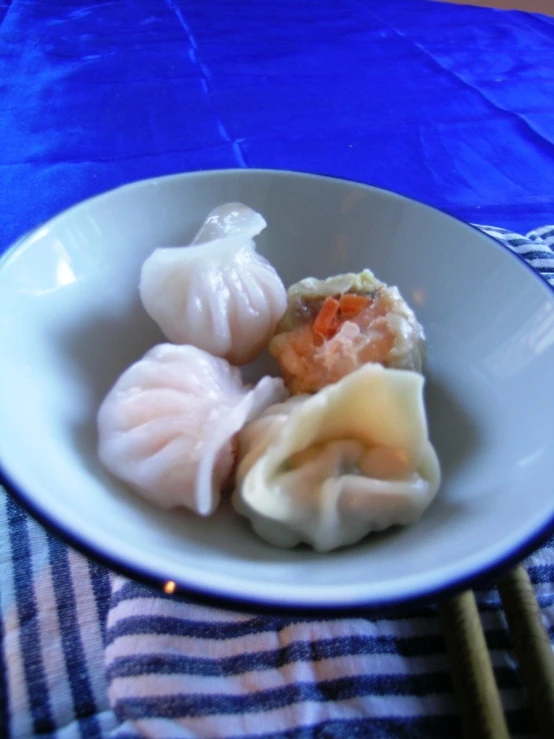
<point x="509" y="558"/>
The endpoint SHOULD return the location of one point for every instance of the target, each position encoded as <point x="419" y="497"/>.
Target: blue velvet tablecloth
<point x="451" y="105"/>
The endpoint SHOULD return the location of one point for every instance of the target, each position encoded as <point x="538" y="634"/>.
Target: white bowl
<point x="71" y="321"/>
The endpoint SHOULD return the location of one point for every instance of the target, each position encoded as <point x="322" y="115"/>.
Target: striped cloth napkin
<point x="90" y="654"/>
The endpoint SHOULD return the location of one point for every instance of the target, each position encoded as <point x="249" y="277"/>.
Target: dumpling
<point x="168" y="426"/>
<point x="218" y="294"/>
<point x="327" y="469"/>
<point x="331" y="327"/>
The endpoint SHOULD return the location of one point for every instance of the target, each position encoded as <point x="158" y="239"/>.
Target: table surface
<point x="530" y="6"/>
<point x="452" y="105"/>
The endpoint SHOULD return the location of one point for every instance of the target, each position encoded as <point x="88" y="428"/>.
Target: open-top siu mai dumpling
<point x="331" y="327"/>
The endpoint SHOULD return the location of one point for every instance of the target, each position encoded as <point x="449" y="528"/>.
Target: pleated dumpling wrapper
<point x="331" y="327"/>
<point x="327" y="469"/>
<point x="168" y="426"/>
<point x="218" y="294"/>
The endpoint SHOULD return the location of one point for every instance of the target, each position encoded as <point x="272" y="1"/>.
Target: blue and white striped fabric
<point x="54" y="608"/>
<point x="537" y="248"/>
<point x="90" y="654"/>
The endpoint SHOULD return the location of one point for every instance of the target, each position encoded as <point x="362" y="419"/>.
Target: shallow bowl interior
<point x="71" y="321"/>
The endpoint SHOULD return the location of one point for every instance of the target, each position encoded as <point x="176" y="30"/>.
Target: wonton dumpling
<point x="168" y="426"/>
<point x="218" y="294"/>
<point x="329" y="468"/>
<point x="331" y="327"/>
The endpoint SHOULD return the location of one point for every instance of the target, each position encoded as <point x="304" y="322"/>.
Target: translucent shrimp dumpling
<point x="333" y="326"/>
<point x="329" y="468"/>
<point x="168" y="426"/>
<point x="218" y="294"/>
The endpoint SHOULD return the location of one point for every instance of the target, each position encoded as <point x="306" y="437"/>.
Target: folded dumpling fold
<point x="327" y="469"/>
<point x="168" y="426"/>
<point x="218" y="294"/>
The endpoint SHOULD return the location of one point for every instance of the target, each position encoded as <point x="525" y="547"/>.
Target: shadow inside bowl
<point x="124" y="340"/>
<point x="452" y="429"/>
